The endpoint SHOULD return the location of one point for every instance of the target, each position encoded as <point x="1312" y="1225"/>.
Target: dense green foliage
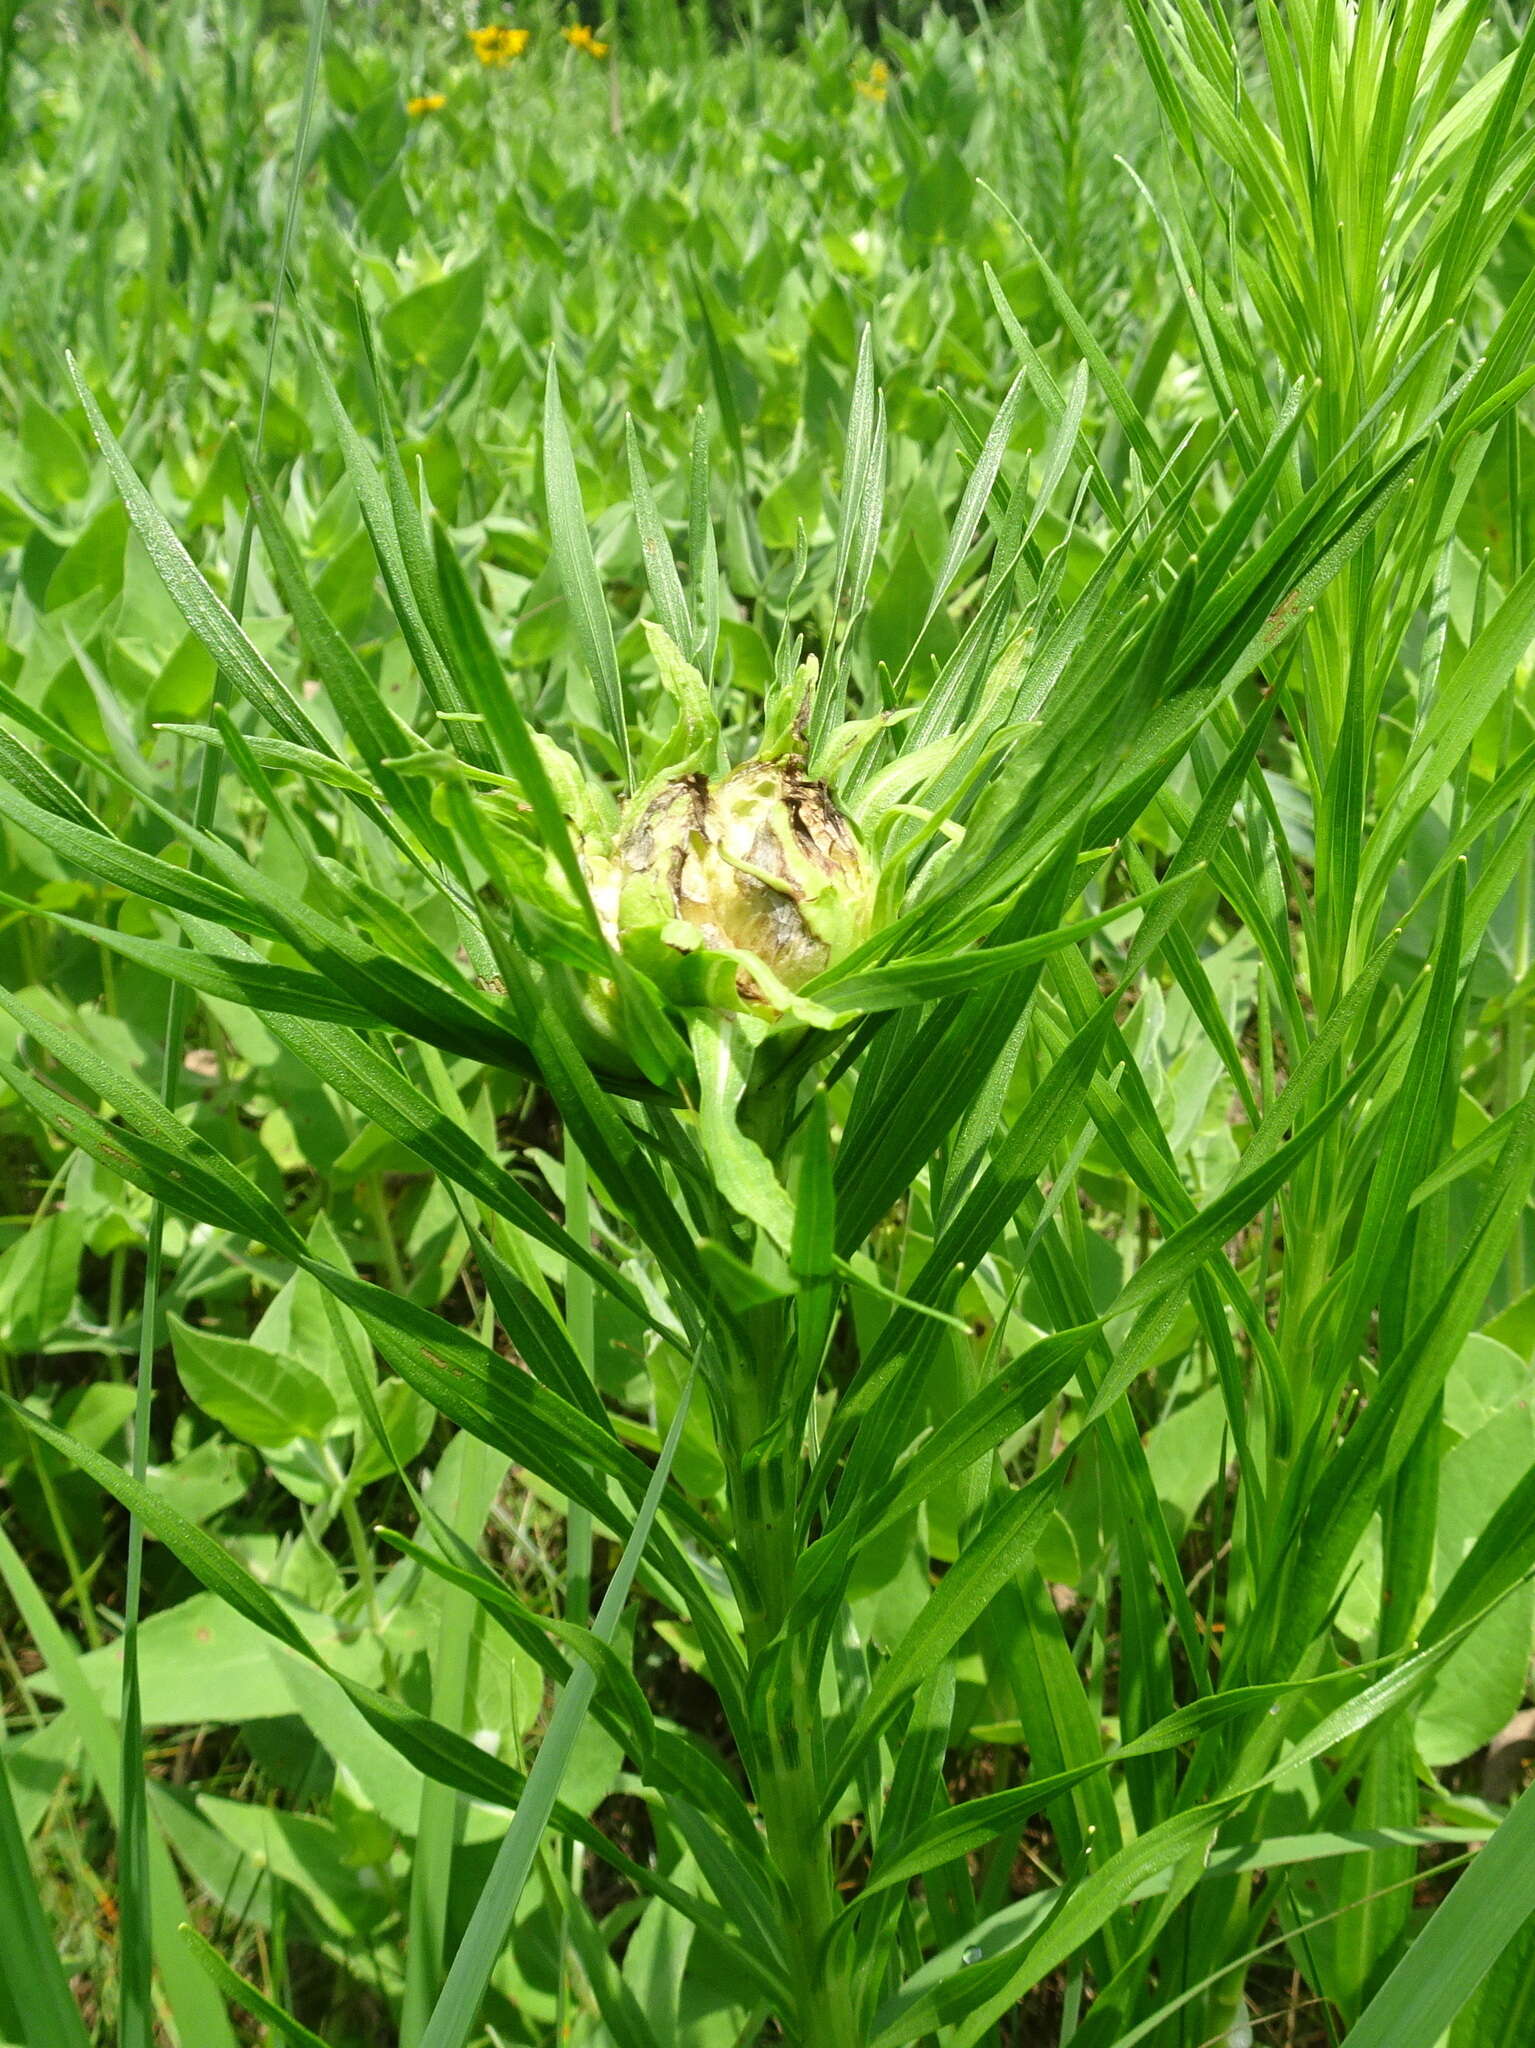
<point x="950" y="1464"/>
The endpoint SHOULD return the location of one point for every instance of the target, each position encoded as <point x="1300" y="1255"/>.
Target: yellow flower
<point x="426" y="103"/>
<point x="581" y="38"/>
<point x="495" y="45"/>
<point x="873" y="87"/>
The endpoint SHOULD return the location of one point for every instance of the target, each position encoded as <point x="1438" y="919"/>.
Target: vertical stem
<point x="764" y="1467"/>
<point x="117" y="1276"/>
<point x="362" y="1555"/>
<point x="764" y="1490"/>
<point x="580" y="1320"/>
<point x="1514" y="1047"/>
<point x="135" y="2024"/>
<point x="79" y="1578"/>
<point x="135" y="1939"/>
<point x="1514" y="1025"/>
<point x="376" y="1202"/>
<point x="464" y="1509"/>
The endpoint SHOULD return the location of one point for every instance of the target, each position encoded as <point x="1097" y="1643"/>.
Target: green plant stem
<point x="453" y="2017"/>
<point x="580" y="1314"/>
<point x="765" y="1464"/>
<point x="580" y="1319"/>
<point x="79" y="1581"/>
<point x="788" y="1797"/>
<point x="376" y="1203"/>
<point x="1514" y="1045"/>
<point x="136" y="2024"/>
<point x="800" y="1849"/>
<point x="464" y="1510"/>
<point x="117" y="1275"/>
<point x="362" y="1555"/>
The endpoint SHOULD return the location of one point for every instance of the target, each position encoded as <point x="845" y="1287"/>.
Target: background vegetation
<point x="1128" y="407"/>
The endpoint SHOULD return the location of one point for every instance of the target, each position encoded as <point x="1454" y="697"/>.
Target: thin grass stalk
<point x="454" y="2016"/>
<point x="437" y="1832"/>
<point x="580" y="1319"/>
<point x="136" y="1946"/>
<point x="51" y="2018"/>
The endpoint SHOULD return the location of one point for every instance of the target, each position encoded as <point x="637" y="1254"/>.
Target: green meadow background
<point x="1065" y="366"/>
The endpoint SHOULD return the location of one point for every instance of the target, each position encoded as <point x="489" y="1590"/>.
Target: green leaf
<point x="258" y="1395"/>
<point x="577" y="567"/>
<point x="964" y="1829"/>
<point x="207" y="615"/>
<point x="740" y="1167"/>
<point x="50" y="2017"/>
<point x="662" y="580"/>
<point x="453" y="2017"/>
<point x="971" y="1999"/>
<point x="692" y="746"/>
<point x="1466" y="1934"/>
<point x="1002" y="1546"/>
<point x="241" y="1993"/>
<point x="435" y="326"/>
<point x="196" y="2010"/>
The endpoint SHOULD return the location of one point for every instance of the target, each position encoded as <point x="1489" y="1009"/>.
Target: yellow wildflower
<point x="874" y="86"/>
<point x="495" y="45"/>
<point x="426" y="103"/>
<point x="581" y="38"/>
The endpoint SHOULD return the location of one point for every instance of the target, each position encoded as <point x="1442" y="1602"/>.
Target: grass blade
<point x="455" y="2015"/>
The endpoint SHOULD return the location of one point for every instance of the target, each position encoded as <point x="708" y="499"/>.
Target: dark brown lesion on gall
<point x="689" y="793"/>
<point x="803" y="795"/>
